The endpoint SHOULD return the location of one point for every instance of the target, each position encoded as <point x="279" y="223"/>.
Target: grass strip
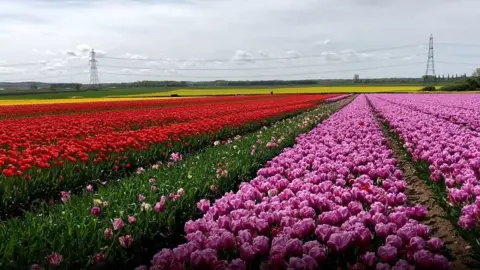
<point x="77" y="232"/>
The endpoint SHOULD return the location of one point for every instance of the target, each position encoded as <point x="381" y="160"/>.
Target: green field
<point x="86" y="94"/>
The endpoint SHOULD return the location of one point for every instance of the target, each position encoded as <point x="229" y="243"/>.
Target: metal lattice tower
<point x="430" y="77"/>
<point x="94" y="83"/>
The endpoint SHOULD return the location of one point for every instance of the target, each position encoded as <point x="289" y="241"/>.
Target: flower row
<point x="333" y="200"/>
<point x="11" y="111"/>
<point x="460" y="109"/>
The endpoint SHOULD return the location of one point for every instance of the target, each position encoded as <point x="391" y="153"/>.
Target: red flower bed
<point x="10" y="111"/>
<point x="46" y="152"/>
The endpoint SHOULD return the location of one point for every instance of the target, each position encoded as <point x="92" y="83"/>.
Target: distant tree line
<point x="460" y="83"/>
<point x="225" y="83"/>
<point x="58" y="86"/>
<point x="441" y="79"/>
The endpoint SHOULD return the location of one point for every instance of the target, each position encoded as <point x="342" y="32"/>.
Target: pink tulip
<point x="203" y="205"/>
<point x="54" y="259"/>
<point x="95" y="211"/>
<point x="369" y="259"/>
<point x="108" y="233"/>
<point x="36" y="267"/>
<point x="132" y="219"/>
<point x="117" y="224"/>
<point x="99" y="259"/>
<point x="261" y="244"/>
<point x="340" y="242"/>
<point x="160" y="206"/>
<point x="65" y="196"/>
<point x="435" y="244"/>
<point x="387" y="253"/>
<point x="125" y="241"/>
<point x="203" y="259"/>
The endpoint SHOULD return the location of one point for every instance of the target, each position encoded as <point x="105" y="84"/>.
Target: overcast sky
<point x="254" y="39"/>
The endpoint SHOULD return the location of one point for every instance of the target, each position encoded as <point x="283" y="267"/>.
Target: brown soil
<point x="419" y="193"/>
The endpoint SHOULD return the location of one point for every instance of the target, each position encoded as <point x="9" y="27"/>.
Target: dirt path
<point x="418" y="192"/>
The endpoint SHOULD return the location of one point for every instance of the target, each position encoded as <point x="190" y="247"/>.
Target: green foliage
<point x="469" y="84"/>
<point x="476" y="73"/>
<point x="70" y="230"/>
<point x="429" y="88"/>
<point x="65" y="93"/>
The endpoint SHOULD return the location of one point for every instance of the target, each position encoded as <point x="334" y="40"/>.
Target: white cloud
<point x="243" y="56"/>
<point x="48" y="52"/>
<point x="264" y="54"/>
<point x="331" y="56"/>
<point x="10" y="70"/>
<point x="327" y="41"/>
<point x="70" y="52"/>
<point x="135" y="71"/>
<point x="100" y="53"/>
<point x="135" y="56"/>
<point x="84" y="48"/>
<point x="293" y="54"/>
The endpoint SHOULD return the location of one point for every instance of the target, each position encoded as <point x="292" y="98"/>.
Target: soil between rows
<point x="418" y="192"/>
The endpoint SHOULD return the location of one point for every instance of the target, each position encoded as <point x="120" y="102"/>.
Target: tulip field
<point x="242" y="182"/>
<point x="48" y="149"/>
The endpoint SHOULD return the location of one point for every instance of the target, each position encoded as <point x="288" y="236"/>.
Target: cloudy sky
<point x="49" y="40"/>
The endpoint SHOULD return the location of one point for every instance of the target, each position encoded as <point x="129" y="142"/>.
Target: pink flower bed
<point x="452" y="151"/>
<point x="333" y="200"/>
<point x="462" y="109"/>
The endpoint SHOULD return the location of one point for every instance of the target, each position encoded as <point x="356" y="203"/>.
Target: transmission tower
<point x="94" y="83"/>
<point x="430" y="78"/>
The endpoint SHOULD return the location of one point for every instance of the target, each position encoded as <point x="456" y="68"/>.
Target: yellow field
<point x="297" y="90"/>
<point x="76" y="100"/>
<point x="212" y="92"/>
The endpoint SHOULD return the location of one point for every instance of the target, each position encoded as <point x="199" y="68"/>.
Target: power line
<point x="260" y="68"/>
<point x="262" y="76"/>
<point x="67" y="68"/>
<point x="21" y="64"/>
<point x="45" y="78"/>
<point x="261" y="59"/>
<point x="38" y="63"/>
<point x="457" y="44"/>
<point x="458" y="63"/>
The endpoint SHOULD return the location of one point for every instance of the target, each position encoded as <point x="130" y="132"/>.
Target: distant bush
<point x="469" y="84"/>
<point x="174" y="95"/>
<point x="429" y="88"/>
